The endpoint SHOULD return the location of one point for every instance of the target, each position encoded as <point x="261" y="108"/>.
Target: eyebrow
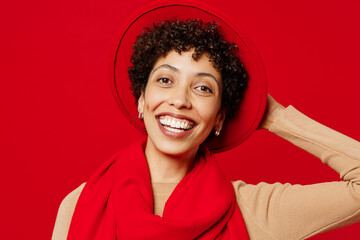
<point x="200" y="74"/>
<point x="166" y="66"/>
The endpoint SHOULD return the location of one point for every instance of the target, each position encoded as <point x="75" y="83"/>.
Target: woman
<point x="188" y="82"/>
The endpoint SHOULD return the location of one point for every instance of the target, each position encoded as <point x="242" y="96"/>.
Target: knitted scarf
<point x="117" y="203"/>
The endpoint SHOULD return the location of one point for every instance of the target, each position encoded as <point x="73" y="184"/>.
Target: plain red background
<point x="59" y="120"/>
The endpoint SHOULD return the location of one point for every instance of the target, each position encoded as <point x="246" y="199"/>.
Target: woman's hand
<point x="272" y="111"/>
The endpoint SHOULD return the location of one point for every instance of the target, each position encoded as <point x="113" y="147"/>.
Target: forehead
<point x="184" y="62"/>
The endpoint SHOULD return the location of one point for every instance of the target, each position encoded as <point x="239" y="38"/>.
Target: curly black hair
<point x="182" y="36"/>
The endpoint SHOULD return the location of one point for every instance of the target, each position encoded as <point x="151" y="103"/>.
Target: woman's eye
<point x="164" y="80"/>
<point x="204" y="89"/>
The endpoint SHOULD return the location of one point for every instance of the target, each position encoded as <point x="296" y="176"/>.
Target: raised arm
<point x="285" y="211"/>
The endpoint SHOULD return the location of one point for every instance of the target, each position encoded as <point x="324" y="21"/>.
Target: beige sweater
<point x="282" y="211"/>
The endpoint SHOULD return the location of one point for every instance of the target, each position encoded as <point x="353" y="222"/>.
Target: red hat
<point x="235" y="130"/>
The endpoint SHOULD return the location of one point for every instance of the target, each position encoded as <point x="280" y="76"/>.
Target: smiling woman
<point x="180" y="91"/>
<point x="188" y="82"/>
<point x="184" y="93"/>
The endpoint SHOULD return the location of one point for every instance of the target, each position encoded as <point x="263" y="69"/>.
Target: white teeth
<point x="174" y="129"/>
<point x="162" y="121"/>
<point x="174" y="123"/>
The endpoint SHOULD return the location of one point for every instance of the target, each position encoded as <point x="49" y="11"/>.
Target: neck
<point x="166" y="168"/>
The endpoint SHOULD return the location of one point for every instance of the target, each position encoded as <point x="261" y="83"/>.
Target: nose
<point x="179" y="98"/>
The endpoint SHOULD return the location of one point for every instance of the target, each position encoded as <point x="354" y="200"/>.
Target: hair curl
<point x="182" y="36"/>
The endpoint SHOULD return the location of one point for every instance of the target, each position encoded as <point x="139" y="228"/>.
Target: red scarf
<point x="117" y="203"/>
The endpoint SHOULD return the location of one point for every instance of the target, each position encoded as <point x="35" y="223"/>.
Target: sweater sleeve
<point x="285" y="211"/>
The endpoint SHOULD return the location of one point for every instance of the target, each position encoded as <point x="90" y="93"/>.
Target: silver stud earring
<point x="141" y="115"/>
<point x="217" y="133"/>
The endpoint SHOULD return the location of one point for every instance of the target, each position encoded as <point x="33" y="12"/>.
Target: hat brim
<point x="235" y="130"/>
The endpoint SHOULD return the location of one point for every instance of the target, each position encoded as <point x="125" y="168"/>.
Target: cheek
<point x="208" y="111"/>
<point x="153" y="99"/>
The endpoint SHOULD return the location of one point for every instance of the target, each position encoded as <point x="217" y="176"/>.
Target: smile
<point x="175" y="124"/>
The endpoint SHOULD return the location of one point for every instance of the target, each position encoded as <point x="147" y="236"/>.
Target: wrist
<point x="275" y="114"/>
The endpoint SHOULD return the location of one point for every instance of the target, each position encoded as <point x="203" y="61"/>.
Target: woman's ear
<point x="141" y="103"/>
<point x="220" y="119"/>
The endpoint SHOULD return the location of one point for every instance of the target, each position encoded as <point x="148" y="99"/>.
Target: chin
<point x="175" y="148"/>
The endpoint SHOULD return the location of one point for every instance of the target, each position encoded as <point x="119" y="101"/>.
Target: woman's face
<point x="181" y="103"/>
